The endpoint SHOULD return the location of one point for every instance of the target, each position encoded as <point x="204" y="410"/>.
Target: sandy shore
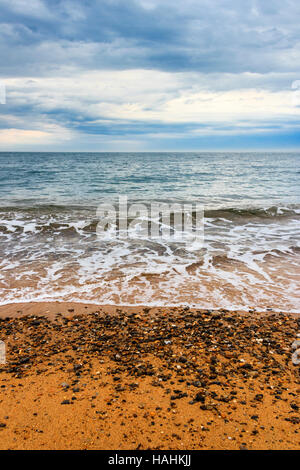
<point x="79" y="376"/>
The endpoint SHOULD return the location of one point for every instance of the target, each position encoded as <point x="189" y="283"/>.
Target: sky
<point x="149" y="75"/>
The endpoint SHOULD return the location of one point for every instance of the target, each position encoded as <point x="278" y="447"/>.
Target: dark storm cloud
<point x="219" y="36"/>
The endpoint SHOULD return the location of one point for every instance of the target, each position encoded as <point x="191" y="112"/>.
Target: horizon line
<point x="155" y="151"/>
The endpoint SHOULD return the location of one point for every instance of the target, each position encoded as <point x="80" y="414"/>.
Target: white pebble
<point x="296" y="358"/>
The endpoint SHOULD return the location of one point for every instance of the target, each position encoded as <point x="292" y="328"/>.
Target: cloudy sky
<point x="134" y="75"/>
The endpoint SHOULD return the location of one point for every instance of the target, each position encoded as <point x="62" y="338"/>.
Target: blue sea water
<point x="49" y="249"/>
<point x="214" y="179"/>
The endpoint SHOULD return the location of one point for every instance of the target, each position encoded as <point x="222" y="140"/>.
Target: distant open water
<point x="49" y="249"/>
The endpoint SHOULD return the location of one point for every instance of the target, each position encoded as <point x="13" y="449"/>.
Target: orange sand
<point x="109" y="408"/>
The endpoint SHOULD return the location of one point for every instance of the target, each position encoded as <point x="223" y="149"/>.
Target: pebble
<point x="296" y="357"/>
<point x="296" y="345"/>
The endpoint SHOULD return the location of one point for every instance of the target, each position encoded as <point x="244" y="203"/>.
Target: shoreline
<point x="80" y="376"/>
<point x="50" y="309"/>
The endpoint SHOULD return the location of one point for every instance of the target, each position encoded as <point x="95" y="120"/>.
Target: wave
<point x="222" y="224"/>
<point x="245" y="261"/>
<point x="280" y="211"/>
<point x="37" y="209"/>
<point x="272" y="212"/>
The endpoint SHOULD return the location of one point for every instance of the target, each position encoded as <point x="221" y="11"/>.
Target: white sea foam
<point x="249" y="262"/>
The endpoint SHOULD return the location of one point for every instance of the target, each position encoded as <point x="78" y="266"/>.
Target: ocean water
<point x="49" y="249"/>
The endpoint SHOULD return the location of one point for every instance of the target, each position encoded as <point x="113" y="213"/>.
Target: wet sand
<point x="79" y="376"/>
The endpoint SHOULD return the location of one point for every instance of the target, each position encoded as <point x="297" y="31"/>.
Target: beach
<point x="150" y="228"/>
<point x="81" y="376"/>
<point x="143" y="333"/>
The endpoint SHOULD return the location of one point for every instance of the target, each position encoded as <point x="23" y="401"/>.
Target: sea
<point x="249" y="258"/>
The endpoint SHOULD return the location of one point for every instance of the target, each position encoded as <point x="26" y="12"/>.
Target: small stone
<point x="243" y="447"/>
<point x="296" y="345"/>
<point x="183" y="359"/>
<point x="199" y="397"/>
<point x="259" y="397"/>
<point x="296" y="358"/>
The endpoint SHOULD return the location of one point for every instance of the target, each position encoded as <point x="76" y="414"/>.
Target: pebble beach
<point x="79" y="376"/>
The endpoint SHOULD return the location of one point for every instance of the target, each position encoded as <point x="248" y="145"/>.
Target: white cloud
<point x="20" y="138"/>
<point x="149" y="96"/>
